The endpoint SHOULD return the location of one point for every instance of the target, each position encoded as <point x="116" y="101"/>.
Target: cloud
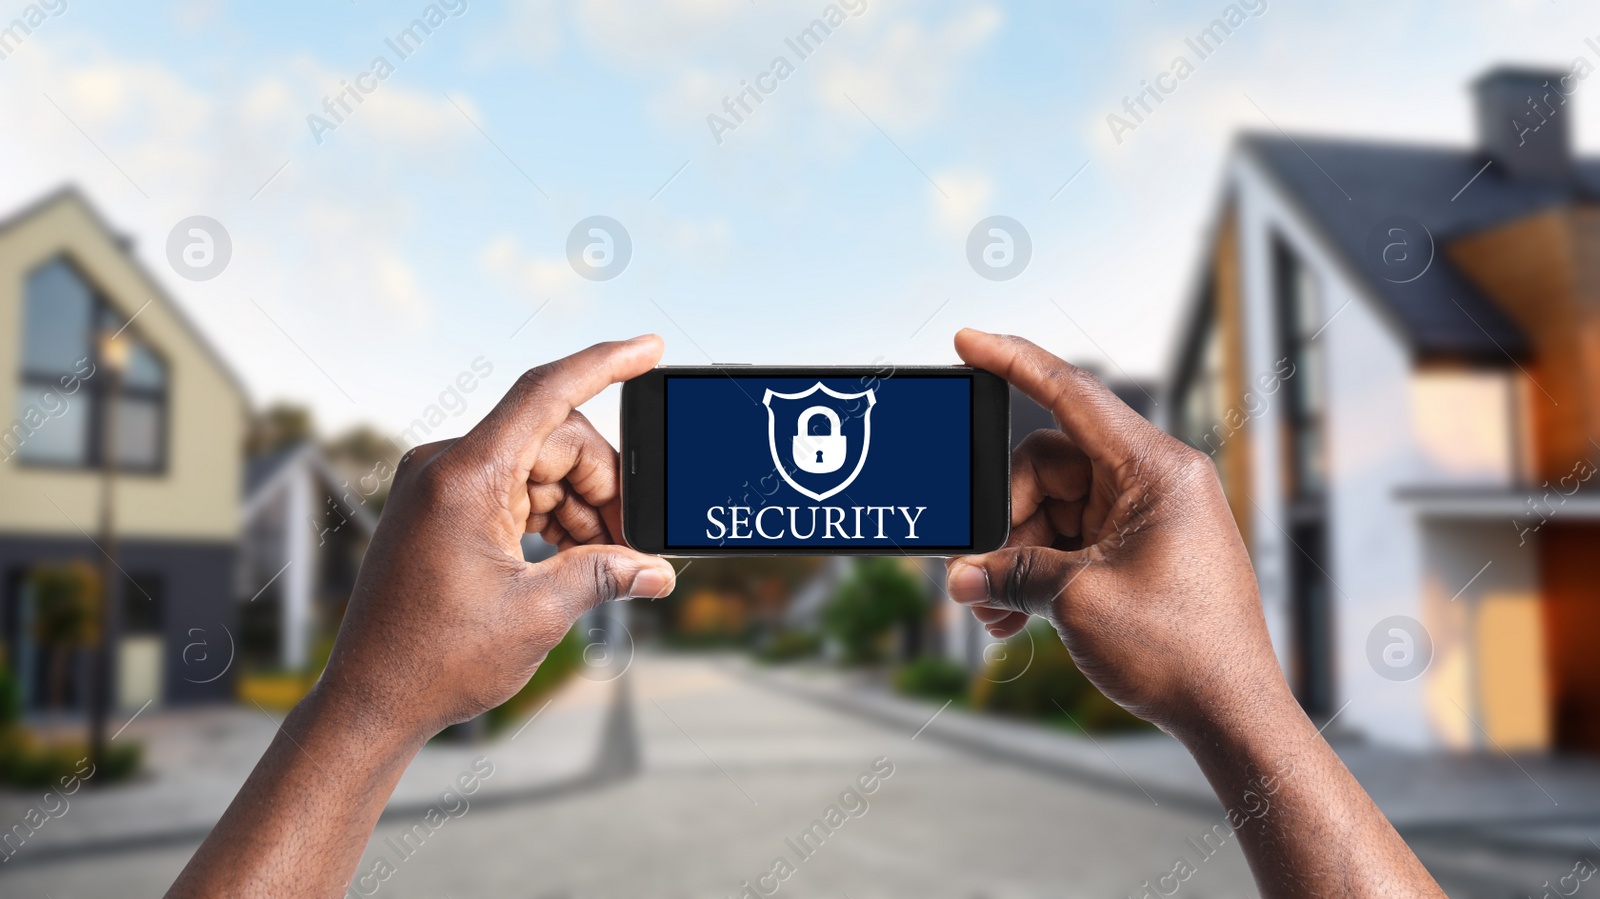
<point x="904" y="78"/>
<point x="531" y="31"/>
<point x="883" y="55"/>
<point x="328" y="248"/>
<point x="965" y="200"/>
<point x="650" y="34"/>
<point x="537" y="276"/>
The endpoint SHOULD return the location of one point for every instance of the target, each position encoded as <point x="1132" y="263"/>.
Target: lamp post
<point x="113" y="356"/>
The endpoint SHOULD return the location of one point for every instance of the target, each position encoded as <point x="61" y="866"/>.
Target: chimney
<point x="1524" y="123"/>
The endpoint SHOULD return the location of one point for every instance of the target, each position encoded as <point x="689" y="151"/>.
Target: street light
<point x="113" y="356"/>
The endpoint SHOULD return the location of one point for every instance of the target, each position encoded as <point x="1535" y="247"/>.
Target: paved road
<point x="710" y="779"/>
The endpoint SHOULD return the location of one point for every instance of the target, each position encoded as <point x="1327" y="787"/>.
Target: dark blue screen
<point x="830" y="462"/>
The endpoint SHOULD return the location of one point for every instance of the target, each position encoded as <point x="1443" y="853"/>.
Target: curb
<point x="973" y="734"/>
<point x="617" y="760"/>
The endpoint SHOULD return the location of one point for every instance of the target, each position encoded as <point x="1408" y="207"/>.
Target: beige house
<point x="174" y="420"/>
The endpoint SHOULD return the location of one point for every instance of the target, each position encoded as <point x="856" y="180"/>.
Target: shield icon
<point x="819" y="464"/>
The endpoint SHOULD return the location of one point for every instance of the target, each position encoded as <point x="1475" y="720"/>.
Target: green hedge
<point x="932" y="678"/>
<point x="788" y="646"/>
<point x="1041" y="681"/>
<point x="26" y="762"/>
<point x="565" y="658"/>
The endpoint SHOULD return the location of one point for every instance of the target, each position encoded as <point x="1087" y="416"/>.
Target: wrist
<point x="1262" y="729"/>
<point x="352" y="727"/>
<point x="1242" y="713"/>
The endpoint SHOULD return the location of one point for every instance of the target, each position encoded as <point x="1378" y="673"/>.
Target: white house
<point x="1393" y="354"/>
<point x="305" y="531"/>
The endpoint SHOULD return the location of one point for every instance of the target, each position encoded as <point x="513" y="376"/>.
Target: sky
<point x="377" y="255"/>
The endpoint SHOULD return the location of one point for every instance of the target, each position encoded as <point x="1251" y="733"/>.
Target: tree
<point x="880" y="594"/>
<point x="279" y="426"/>
<point x="65" y="616"/>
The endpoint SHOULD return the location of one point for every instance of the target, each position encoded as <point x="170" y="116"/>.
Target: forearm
<point x="304" y="816"/>
<point x="1305" y="824"/>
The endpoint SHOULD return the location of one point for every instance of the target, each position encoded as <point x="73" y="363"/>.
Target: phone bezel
<point x="643" y="457"/>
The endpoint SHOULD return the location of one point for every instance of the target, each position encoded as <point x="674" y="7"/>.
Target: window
<point x="141" y="605"/>
<point x="1200" y="402"/>
<point x="67" y="389"/>
<point x="1297" y="302"/>
<point x="1299" y="321"/>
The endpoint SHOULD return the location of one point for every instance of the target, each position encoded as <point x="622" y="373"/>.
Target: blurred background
<point x="249" y="255"/>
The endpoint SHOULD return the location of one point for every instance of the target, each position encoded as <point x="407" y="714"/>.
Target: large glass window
<point x="67" y="387"/>
<point x="1200" y="398"/>
<point x="1299" y="322"/>
<point x="1298" y="305"/>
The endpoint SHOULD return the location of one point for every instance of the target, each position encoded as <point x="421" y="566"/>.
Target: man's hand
<point x="447" y="620"/>
<point x="1121" y="538"/>
<point x="1123" y="541"/>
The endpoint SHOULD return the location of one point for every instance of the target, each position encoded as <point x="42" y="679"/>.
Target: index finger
<point x="1099" y="423"/>
<point x="516" y="429"/>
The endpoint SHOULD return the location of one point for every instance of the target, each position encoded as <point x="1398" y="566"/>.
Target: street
<point x="709" y="779"/>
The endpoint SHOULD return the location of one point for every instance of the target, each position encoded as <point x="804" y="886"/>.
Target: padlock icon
<point x="819" y="453"/>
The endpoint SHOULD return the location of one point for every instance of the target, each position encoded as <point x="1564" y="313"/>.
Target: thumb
<point x="580" y="578"/>
<point x="1027" y="579"/>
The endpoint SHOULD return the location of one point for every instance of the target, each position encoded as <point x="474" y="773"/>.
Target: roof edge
<point x="72" y="193"/>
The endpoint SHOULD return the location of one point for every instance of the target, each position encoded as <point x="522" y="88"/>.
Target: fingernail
<point x="651" y="583"/>
<point x="968" y="583"/>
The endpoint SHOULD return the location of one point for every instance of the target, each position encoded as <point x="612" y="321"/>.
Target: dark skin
<point x="1121" y="539"/>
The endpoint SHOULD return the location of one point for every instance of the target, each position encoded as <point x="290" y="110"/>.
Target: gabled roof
<point x="263" y="467"/>
<point x="1346" y="187"/>
<point x="72" y="195"/>
<point x="266" y="474"/>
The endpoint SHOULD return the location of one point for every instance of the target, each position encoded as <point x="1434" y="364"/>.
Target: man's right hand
<point x="1122" y="539"/>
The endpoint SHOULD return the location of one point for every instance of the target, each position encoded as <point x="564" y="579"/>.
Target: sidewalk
<point x="1533" y="803"/>
<point x="196" y="760"/>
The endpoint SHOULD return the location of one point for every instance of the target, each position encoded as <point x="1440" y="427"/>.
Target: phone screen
<point x="825" y="462"/>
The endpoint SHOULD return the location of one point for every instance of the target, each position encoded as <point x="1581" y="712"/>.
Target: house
<point x="305" y="530"/>
<point x="75" y="307"/>
<point x="1393" y="355"/>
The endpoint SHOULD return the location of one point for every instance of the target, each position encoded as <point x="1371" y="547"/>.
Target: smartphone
<point x="733" y="460"/>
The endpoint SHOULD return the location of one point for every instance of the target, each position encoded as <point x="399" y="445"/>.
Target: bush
<point x="787" y="646"/>
<point x="932" y="678"/>
<point x="10" y="699"/>
<point x="26" y="763"/>
<point x="558" y="665"/>
<point x="278" y="691"/>
<point x="1043" y="682"/>
<point x="879" y="595"/>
